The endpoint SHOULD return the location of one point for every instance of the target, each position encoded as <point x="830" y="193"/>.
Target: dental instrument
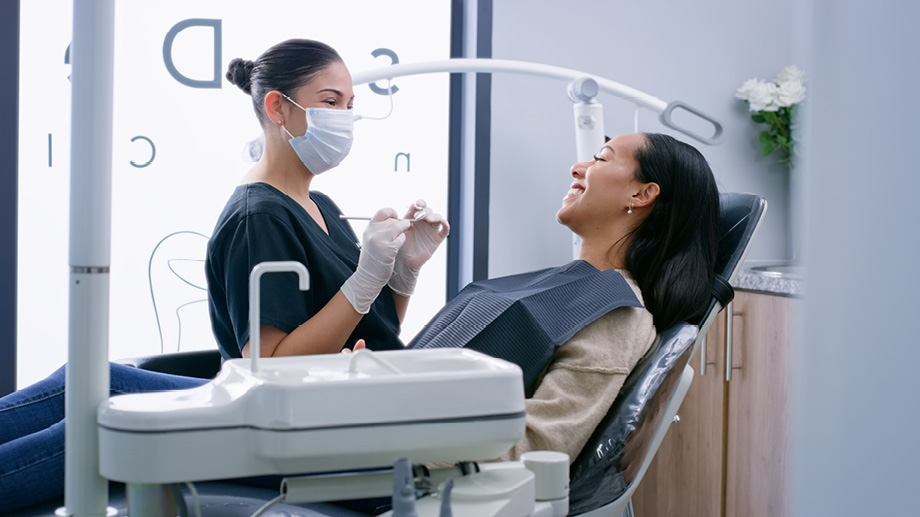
<point x="420" y="213"/>
<point x="366" y="218"/>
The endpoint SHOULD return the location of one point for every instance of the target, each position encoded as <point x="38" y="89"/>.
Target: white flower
<point x="789" y="93"/>
<point x="790" y="74"/>
<point x="762" y="97"/>
<point x="744" y="92"/>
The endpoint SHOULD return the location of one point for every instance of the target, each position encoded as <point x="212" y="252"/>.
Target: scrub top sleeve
<point x="261" y="238"/>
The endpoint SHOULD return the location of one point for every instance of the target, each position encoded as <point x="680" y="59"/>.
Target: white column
<point x="86" y="492"/>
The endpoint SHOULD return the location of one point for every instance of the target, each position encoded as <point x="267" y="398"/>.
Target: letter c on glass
<point x="153" y="152"/>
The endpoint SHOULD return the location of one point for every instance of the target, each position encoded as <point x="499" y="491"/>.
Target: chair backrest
<point x="613" y="456"/>
<point x="740" y="216"/>
<point x="611" y="461"/>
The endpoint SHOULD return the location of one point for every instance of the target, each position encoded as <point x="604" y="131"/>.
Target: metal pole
<point x="85" y="490"/>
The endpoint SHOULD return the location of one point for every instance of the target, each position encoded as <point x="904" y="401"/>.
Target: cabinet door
<point x="763" y="333"/>
<point x="685" y="478"/>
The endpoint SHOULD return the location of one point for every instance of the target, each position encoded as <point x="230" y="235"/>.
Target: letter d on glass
<point x="167" y="52"/>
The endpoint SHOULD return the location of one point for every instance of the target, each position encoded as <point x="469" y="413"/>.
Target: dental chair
<point x="607" y="472"/>
<point x="612" y="463"/>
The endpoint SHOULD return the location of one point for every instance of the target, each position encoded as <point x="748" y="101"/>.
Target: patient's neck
<point x="604" y="254"/>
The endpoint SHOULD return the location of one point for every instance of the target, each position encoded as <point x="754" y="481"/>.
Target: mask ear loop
<point x="390" y="92"/>
<point x="295" y="104"/>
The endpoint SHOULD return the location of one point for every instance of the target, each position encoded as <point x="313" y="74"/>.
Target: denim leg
<point x="41" y="405"/>
<point x="128" y="379"/>
<point x="32" y="468"/>
<point x="32" y="431"/>
<point x="32" y="408"/>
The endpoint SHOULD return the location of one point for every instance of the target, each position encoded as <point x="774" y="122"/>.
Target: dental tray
<point x="313" y="414"/>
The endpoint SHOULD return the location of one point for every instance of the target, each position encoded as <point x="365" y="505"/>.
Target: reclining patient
<point x="646" y="208"/>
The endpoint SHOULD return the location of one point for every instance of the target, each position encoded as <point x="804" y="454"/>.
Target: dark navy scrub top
<point x="260" y="223"/>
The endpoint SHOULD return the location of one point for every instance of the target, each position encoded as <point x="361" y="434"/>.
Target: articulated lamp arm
<point x="480" y="65"/>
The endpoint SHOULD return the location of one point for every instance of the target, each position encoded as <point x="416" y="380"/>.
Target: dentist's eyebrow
<point x="337" y="92"/>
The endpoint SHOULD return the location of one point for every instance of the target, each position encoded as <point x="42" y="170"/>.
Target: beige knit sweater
<point x="583" y="380"/>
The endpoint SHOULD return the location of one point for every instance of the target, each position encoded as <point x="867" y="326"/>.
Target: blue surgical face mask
<point x="328" y="139"/>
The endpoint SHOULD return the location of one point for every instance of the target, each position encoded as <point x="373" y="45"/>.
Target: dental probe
<point x="365" y="218"/>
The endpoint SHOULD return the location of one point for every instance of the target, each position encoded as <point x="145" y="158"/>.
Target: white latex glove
<point x="422" y="239"/>
<point x="382" y="239"/>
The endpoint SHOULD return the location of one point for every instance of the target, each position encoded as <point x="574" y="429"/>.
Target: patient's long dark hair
<point x="674" y="250"/>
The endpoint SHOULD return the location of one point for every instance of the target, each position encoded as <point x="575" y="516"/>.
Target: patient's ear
<point x="647" y="194"/>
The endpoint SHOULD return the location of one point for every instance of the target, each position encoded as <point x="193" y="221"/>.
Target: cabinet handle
<point x="729" y="316"/>
<point x="729" y="346"/>
<point x="703" y="356"/>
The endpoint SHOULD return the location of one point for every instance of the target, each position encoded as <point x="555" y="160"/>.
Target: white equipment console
<point x="313" y="414"/>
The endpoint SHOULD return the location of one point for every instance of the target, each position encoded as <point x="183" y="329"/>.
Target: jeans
<point x="32" y="431"/>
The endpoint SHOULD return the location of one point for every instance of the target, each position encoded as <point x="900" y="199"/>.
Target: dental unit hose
<point x="403" y="489"/>
<point x="445" y="498"/>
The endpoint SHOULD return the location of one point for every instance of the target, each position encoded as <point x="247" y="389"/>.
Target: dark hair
<point x="284" y="67"/>
<point x="674" y="250"/>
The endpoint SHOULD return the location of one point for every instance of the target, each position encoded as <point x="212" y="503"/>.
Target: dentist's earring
<point x="630" y="209"/>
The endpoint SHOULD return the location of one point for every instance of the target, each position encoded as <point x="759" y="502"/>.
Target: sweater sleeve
<point x="582" y="382"/>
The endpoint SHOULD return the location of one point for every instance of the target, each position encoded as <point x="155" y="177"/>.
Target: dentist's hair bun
<point x="239" y="72"/>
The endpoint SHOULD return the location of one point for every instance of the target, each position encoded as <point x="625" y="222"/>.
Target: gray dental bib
<point x="525" y="318"/>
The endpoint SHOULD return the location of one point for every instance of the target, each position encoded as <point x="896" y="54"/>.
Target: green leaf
<point x="757" y="117"/>
<point x="767" y="148"/>
<point x="765" y="138"/>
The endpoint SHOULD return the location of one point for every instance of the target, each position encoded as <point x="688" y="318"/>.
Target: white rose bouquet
<point x="773" y="103"/>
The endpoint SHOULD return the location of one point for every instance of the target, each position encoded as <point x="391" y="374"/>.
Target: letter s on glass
<point x="394" y="59"/>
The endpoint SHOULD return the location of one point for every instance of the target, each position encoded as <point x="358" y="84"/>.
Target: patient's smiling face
<point x="602" y="189"/>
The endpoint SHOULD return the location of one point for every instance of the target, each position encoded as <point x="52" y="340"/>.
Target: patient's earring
<point x="630" y="209"/>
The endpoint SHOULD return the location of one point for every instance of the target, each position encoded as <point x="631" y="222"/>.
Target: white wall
<point x="696" y="52"/>
<point x="856" y="447"/>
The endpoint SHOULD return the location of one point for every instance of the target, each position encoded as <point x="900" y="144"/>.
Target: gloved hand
<point x="422" y="239"/>
<point x="379" y="244"/>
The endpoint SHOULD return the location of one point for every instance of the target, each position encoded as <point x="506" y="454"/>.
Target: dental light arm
<point x="582" y="90"/>
<point x="480" y="65"/>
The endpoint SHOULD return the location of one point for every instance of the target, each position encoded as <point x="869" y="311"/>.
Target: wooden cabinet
<point x="727" y="455"/>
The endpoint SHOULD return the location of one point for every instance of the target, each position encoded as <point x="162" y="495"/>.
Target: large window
<point x="180" y="134"/>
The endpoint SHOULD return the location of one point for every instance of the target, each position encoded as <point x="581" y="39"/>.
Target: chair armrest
<point x="204" y="364"/>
